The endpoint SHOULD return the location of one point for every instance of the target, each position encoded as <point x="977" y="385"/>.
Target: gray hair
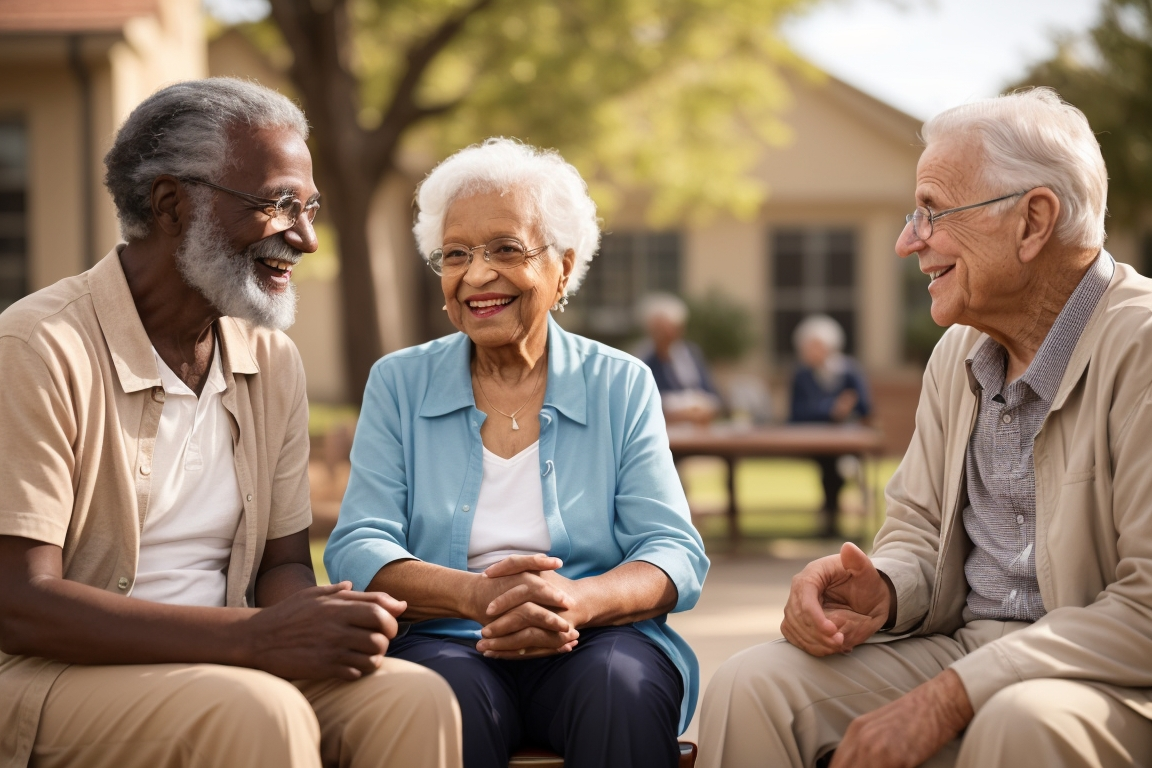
<point x="563" y="209"/>
<point x="182" y="131"/>
<point x="821" y="327"/>
<point x="665" y="305"/>
<point x="1034" y="139"/>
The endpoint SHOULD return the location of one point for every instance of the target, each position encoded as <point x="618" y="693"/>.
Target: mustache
<point x="273" y="248"/>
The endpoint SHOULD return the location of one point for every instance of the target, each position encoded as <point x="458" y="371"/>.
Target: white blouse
<point x="509" y="517"/>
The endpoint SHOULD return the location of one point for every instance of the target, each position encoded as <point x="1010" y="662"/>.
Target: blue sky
<point x="920" y="56"/>
<point x="923" y="56"/>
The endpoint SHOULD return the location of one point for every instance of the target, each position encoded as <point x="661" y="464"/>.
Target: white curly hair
<point x="563" y="209"/>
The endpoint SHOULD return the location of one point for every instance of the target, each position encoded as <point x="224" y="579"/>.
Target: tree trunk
<point x="360" y="320"/>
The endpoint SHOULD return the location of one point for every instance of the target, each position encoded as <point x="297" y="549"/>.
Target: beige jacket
<point x="79" y="410"/>
<point x="1093" y="511"/>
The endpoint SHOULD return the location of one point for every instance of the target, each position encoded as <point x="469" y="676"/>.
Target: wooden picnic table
<point x="734" y="442"/>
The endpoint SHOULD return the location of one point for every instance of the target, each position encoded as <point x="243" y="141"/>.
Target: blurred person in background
<point x="828" y="388"/>
<point x="513" y="484"/>
<point x="1004" y="617"/>
<point x="687" y="393"/>
<point x="156" y="584"/>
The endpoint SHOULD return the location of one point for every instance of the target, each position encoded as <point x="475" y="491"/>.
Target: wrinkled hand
<point x="843" y="404"/>
<point x="533" y="615"/>
<point x="910" y="730"/>
<point x="836" y="603"/>
<point x="323" y="632"/>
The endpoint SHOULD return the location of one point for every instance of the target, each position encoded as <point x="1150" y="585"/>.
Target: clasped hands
<point x="835" y="604"/>
<point x="527" y="609"/>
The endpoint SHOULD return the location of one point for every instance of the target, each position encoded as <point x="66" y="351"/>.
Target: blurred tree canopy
<point x="1108" y="75"/>
<point x="674" y="96"/>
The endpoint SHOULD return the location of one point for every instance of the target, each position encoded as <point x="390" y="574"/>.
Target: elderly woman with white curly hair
<point x="513" y="484"/>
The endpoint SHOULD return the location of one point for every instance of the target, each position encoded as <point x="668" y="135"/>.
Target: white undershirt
<point x="509" y="511"/>
<point x="195" y="505"/>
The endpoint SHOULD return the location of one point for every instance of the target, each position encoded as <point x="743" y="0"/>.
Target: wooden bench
<point x="542" y="758"/>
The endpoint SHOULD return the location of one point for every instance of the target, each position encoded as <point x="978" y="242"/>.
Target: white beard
<point x="228" y="280"/>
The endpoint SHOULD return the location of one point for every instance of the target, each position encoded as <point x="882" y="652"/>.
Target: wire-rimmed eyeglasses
<point x="282" y="212"/>
<point x="922" y="218"/>
<point x="500" y="253"/>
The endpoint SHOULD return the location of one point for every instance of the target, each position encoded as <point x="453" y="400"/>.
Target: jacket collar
<point x="128" y="342"/>
<point x="450" y="388"/>
<point x="1089" y="337"/>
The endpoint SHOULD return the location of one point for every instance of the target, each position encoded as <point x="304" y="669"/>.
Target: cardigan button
<point x="123" y="583"/>
<point x="466" y="508"/>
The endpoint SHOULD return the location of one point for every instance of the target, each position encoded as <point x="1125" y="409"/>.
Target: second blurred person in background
<point x="827" y="387"/>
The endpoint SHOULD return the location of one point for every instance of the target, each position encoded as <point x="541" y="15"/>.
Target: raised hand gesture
<point x="836" y="603"/>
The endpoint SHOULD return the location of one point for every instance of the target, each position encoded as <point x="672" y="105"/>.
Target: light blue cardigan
<point x="611" y="493"/>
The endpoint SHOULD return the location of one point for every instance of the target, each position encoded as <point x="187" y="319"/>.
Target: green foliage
<point x="1108" y="75"/>
<point x="721" y="327"/>
<point x="673" y="96"/>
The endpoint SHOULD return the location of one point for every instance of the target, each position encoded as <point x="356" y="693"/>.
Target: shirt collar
<point x="986" y="368"/>
<point x="128" y="342"/>
<point x="451" y="386"/>
<point x="1047" y="368"/>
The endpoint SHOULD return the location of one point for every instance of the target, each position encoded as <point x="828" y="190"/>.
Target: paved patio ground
<point x="743" y="603"/>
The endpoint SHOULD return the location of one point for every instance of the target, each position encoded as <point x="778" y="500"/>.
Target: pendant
<point x="514" y="424"/>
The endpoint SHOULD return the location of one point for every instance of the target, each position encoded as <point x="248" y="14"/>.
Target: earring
<point x="445" y="307"/>
<point x="559" y="305"/>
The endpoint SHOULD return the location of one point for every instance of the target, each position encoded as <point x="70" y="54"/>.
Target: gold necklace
<point x="513" y="414"/>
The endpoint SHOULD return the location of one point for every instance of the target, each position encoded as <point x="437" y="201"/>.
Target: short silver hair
<point x="821" y="327"/>
<point x="1033" y="138"/>
<point x="665" y="305"/>
<point x="559" y="196"/>
<point x="182" y="131"/>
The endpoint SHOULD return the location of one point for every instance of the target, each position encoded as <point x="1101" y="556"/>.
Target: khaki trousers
<point x="774" y="705"/>
<point x="172" y="715"/>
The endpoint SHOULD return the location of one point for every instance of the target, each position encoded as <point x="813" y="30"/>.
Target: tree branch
<point x="403" y="111"/>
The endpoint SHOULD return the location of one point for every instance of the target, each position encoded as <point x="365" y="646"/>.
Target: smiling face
<point x="501" y="307"/>
<point x="231" y="253"/>
<point x="971" y="256"/>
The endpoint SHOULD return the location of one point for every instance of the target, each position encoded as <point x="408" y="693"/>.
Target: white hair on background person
<point x="821" y="327"/>
<point x="1035" y="139"/>
<point x="563" y="210"/>
<point x="182" y="131"/>
<point x="664" y="305"/>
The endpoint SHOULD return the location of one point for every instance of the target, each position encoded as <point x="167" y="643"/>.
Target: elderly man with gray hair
<point x="156" y="586"/>
<point x="1005" y="615"/>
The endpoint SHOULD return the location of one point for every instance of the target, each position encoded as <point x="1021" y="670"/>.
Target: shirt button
<point x="1006" y="418"/>
<point x="1020" y="519"/>
<point x="145" y="469"/>
<point x="249" y="497"/>
<point x="466" y="508"/>
<point x="123" y="583"/>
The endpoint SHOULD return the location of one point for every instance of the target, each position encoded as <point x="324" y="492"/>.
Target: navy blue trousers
<point x="613" y="702"/>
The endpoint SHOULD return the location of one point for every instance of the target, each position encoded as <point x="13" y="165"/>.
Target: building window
<point x="629" y="265"/>
<point x="813" y="271"/>
<point x="13" y="208"/>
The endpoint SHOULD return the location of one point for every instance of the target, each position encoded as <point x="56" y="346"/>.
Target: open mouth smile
<point x="278" y="270"/>
<point x="936" y="274"/>
<point x="487" y="306"/>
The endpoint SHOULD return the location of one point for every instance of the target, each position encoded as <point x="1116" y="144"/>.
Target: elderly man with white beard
<point x="156" y="587"/>
<point x="1004" y="617"/>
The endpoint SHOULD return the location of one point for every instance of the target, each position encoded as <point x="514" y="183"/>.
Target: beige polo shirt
<point x="80" y="406"/>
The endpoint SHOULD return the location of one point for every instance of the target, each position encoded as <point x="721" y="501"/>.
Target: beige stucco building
<point x="70" y="72"/>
